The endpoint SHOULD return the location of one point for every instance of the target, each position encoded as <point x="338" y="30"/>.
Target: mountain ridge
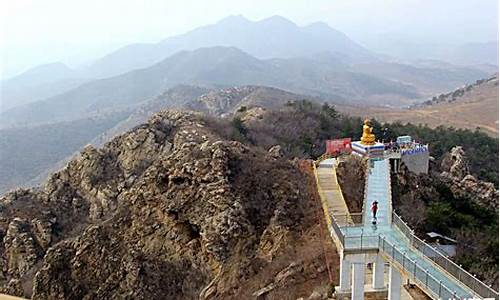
<point x="38" y="83"/>
<point x="223" y="66"/>
<point x="41" y="154"/>
<point x="283" y="39"/>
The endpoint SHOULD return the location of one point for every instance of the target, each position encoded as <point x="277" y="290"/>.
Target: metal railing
<point x="419" y="274"/>
<point x="402" y="226"/>
<point x="361" y="242"/>
<point x="354" y="219"/>
<point x="389" y="190"/>
<point x="444" y="262"/>
<point x="353" y="237"/>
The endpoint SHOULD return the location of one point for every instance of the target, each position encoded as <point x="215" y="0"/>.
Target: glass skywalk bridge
<point x="394" y="240"/>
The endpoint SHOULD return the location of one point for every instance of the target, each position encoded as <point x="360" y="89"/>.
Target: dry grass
<point x="310" y="249"/>
<point x="477" y="108"/>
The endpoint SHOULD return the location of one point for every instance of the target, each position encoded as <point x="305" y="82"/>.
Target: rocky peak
<point x="224" y="100"/>
<point x="169" y="210"/>
<point x="241" y="99"/>
<point x="455" y="164"/>
<point x="463" y="184"/>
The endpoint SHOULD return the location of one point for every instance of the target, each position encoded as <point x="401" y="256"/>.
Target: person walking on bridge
<point x="374" y="209"/>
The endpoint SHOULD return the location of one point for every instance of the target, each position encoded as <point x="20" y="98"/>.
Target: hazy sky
<point x="76" y="31"/>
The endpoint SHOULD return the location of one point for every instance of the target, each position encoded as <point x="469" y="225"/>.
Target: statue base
<point x="371" y="151"/>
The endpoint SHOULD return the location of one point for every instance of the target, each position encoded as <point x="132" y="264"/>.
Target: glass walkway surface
<point x="396" y="243"/>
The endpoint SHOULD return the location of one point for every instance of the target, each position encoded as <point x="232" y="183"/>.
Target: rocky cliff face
<point x="351" y="173"/>
<point x="410" y="196"/>
<point x="168" y="210"/>
<point x="410" y="191"/>
<point x="452" y="202"/>
<point x="457" y="176"/>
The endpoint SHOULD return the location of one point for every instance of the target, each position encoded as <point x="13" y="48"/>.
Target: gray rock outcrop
<point x="168" y="210"/>
<point x="463" y="184"/>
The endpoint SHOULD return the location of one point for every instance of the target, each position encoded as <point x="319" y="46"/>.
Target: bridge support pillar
<point x="358" y="281"/>
<point x="345" y="275"/>
<point x="378" y="274"/>
<point x="394" y="284"/>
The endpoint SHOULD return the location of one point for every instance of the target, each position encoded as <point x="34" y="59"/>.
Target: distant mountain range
<point x="37" y="84"/>
<point x="468" y="54"/>
<point x="274" y="37"/>
<point x="427" y="79"/>
<point x="324" y="75"/>
<point x="314" y="59"/>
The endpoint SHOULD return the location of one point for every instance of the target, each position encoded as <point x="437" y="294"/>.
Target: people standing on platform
<point x="374" y="209"/>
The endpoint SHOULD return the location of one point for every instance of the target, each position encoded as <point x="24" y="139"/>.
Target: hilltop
<point x="37" y="84"/>
<point x="29" y="153"/>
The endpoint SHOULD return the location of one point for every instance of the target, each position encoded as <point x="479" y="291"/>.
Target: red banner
<point x="338" y="146"/>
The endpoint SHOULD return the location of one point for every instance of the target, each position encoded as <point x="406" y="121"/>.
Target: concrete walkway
<point x="329" y="188"/>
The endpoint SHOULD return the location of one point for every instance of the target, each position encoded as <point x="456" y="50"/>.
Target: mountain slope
<point x="215" y="65"/>
<point x="36" y="84"/>
<point x="469" y="54"/>
<point x="428" y="79"/>
<point x="274" y="37"/>
<point x="472" y="106"/>
<point x="178" y="97"/>
<point x="41" y="74"/>
<point x="229" y="100"/>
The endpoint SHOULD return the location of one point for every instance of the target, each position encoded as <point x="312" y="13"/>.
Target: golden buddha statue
<point x="368" y="137"/>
